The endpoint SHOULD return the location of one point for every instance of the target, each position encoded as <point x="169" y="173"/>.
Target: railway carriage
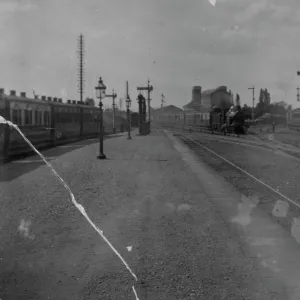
<point x="46" y="122"/>
<point x="32" y="116"/>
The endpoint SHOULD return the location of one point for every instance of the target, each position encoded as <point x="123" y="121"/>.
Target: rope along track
<point x="263" y="195"/>
<point x="244" y="142"/>
<point x="240" y="140"/>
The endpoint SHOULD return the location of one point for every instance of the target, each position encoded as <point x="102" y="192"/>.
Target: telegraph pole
<point x="113" y="96"/>
<point x="149" y="89"/>
<point x="128" y="103"/>
<point x="298" y="95"/>
<point x="253" y="99"/>
<point x="120" y="106"/>
<point x="81" y="66"/>
<point x="162" y="103"/>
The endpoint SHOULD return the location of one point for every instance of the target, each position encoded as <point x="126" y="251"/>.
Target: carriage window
<point x="38" y="117"/>
<point x="28" y="117"/>
<point x="16" y="116"/>
<point x="46" y="117"/>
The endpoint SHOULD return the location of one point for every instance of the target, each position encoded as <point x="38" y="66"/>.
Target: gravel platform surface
<point x="276" y="168"/>
<point x="143" y="196"/>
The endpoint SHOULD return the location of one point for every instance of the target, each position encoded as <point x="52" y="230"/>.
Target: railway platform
<point x="184" y="231"/>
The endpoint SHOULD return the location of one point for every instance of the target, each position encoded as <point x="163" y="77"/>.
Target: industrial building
<point x="204" y="101"/>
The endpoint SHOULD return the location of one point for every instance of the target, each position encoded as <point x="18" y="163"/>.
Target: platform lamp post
<point x="100" y="94"/>
<point x="128" y="104"/>
<point x="253" y="100"/>
<point x="298" y="99"/>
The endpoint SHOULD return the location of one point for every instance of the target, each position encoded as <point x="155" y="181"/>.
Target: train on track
<point x="228" y="120"/>
<point x="48" y="122"/>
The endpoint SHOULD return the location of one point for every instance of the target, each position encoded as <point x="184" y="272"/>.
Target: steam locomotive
<point x="223" y="120"/>
<point x="229" y="121"/>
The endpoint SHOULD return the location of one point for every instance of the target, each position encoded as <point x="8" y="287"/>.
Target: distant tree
<point x="278" y="108"/>
<point x="237" y="99"/>
<point x="282" y="104"/>
<point x="263" y="105"/>
<point x="261" y="97"/>
<point x="267" y="97"/>
<point x="90" y="101"/>
<point x="247" y="110"/>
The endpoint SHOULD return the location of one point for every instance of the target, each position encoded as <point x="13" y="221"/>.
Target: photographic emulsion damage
<point x="149" y="149"/>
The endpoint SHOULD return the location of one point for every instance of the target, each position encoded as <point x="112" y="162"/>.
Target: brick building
<point x="209" y="98"/>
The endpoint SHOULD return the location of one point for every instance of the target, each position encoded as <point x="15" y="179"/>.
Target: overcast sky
<point x="176" y="43"/>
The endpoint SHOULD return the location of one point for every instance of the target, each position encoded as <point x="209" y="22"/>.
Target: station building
<point x="204" y="101"/>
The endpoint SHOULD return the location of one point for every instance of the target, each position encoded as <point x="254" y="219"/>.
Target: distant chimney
<point x="1" y="91"/>
<point x="44" y="98"/>
<point x="13" y="93"/>
<point x="196" y="94"/>
<point x="78" y="102"/>
<point x="69" y="101"/>
<point x="55" y="99"/>
<point x="23" y="94"/>
<point x="59" y="100"/>
<point x="49" y="98"/>
<point x="73" y="102"/>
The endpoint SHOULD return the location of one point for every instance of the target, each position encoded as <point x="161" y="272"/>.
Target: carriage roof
<point x="24" y="99"/>
<point x="45" y="102"/>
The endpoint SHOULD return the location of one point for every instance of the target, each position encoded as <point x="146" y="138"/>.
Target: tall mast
<point x="81" y="67"/>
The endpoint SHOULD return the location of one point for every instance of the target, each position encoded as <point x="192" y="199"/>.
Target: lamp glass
<point x="103" y="93"/>
<point x="98" y="91"/>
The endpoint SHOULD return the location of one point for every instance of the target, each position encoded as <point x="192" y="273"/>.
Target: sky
<point x="176" y="44"/>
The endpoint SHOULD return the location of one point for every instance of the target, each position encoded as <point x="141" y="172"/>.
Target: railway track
<point x="271" y="145"/>
<point x="295" y="127"/>
<point x="284" y="210"/>
<point x="231" y="139"/>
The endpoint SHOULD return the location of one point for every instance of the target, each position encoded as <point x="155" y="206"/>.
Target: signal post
<point x="113" y="96"/>
<point x="142" y="113"/>
<point x="149" y="89"/>
<point x="253" y="100"/>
